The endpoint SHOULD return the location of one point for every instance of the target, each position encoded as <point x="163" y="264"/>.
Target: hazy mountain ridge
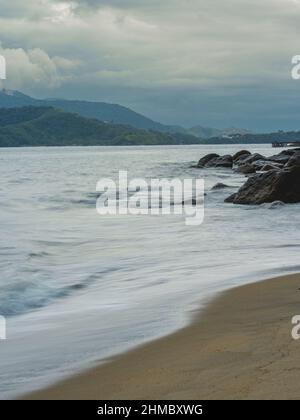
<point x="208" y="132"/>
<point x="47" y="126"/>
<point x="112" y="113"/>
<point x="106" y="112"/>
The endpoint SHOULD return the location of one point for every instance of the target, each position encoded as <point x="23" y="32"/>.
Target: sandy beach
<point x="240" y="347"/>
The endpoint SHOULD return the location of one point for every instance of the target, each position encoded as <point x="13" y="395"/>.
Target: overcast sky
<point x="210" y="62"/>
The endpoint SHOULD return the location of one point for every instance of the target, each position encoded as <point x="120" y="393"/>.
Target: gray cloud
<point x="184" y="62"/>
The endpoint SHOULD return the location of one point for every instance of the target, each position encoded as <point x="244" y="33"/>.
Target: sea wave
<point x="26" y="296"/>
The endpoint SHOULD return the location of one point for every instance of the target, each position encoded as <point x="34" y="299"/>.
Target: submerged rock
<point x="273" y="205"/>
<point x="219" y="186"/>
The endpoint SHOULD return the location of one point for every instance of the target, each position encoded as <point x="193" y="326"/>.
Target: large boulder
<point x="283" y="157"/>
<point x="246" y="169"/>
<point x="215" y="161"/>
<point x="252" y="158"/>
<point x="269" y="167"/>
<point x="259" y="164"/>
<point x="223" y="162"/>
<point x="276" y="185"/>
<point x="206" y="159"/>
<point x="242" y="154"/>
<point x="293" y="161"/>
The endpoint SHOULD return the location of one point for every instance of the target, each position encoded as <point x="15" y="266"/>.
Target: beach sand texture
<point x="239" y="347"/>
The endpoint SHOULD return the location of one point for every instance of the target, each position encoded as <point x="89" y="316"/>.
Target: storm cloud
<point x="208" y="62"/>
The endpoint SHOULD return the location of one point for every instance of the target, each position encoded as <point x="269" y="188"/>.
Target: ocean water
<point x="77" y="287"/>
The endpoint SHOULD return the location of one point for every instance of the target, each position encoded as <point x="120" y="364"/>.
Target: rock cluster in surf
<point x="270" y="179"/>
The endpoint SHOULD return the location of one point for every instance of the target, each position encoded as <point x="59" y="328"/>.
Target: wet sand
<point x="239" y="347"/>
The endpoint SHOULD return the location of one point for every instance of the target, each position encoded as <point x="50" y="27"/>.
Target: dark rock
<point x="273" y="205"/>
<point x="278" y="182"/>
<point x="242" y="154"/>
<point x="219" y="186"/>
<point x="259" y="164"/>
<point x="276" y="185"/>
<point x="283" y="157"/>
<point x="252" y="158"/>
<point x="225" y="161"/>
<point x="269" y="167"/>
<point x="231" y="198"/>
<point x="246" y="169"/>
<point x="293" y="161"/>
<point x="215" y="161"/>
<point x="206" y="159"/>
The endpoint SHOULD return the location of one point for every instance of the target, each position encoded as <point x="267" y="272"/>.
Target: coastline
<point x="239" y="347"/>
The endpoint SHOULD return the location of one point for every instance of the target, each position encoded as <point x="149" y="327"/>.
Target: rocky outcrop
<point x="203" y="162"/>
<point x="224" y="162"/>
<point x="215" y="161"/>
<point x="275" y="185"/>
<point x="272" y="179"/>
<point x="283" y="157"/>
<point x="293" y="161"/>
<point x="259" y="164"/>
<point x="251" y="159"/>
<point x="246" y="169"/>
<point x="268" y="167"/>
<point x="242" y="154"/>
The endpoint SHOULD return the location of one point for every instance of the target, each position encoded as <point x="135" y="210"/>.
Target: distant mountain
<point x="264" y="138"/>
<point x="233" y="131"/>
<point x="204" y="132"/>
<point x="207" y="132"/>
<point x="102" y="111"/>
<point x="111" y="113"/>
<point x="15" y="99"/>
<point x="47" y="126"/>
